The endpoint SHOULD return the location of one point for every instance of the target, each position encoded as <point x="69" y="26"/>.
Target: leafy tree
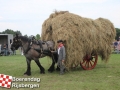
<point x="18" y="32"/>
<point x="26" y="35"/>
<point x="38" y="36"/>
<point x="9" y="31"/>
<point x="117" y="33"/>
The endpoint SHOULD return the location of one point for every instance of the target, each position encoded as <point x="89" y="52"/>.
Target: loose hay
<point x="83" y="35"/>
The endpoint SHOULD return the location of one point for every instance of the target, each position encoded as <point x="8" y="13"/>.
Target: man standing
<point x="61" y="56"/>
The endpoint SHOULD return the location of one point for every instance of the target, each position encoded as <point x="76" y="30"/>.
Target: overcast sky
<point x="28" y="16"/>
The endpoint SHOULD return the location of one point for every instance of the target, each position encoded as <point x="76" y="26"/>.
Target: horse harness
<point x="37" y="42"/>
<point x="31" y="42"/>
<point x="40" y="51"/>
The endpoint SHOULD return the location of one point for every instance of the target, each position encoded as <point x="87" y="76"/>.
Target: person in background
<point x="118" y="46"/>
<point x="61" y="56"/>
<point x="115" y="44"/>
<point x="14" y="52"/>
<point x="21" y="50"/>
<point x="5" y="49"/>
<point x="0" y="48"/>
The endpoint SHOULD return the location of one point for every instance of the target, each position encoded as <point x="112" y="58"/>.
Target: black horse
<point x="33" y="50"/>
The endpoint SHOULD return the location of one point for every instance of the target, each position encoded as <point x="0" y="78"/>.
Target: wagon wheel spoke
<point x="89" y="62"/>
<point x="83" y="61"/>
<point x="86" y="63"/>
<point x="92" y="61"/>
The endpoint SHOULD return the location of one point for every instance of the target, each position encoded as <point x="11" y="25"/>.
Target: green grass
<point x="102" y="77"/>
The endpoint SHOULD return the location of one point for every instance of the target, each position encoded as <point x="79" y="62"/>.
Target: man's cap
<point x="59" y="41"/>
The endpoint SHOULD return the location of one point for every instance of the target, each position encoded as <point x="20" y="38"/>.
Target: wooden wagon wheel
<point x="89" y="62"/>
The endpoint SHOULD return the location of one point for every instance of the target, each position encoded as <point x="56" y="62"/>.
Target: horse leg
<point x="54" y="60"/>
<point x="42" y="70"/>
<point x="57" y="69"/>
<point x="28" y="71"/>
<point x="52" y="68"/>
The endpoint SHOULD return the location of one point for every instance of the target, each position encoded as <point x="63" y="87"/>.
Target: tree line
<point x="9" y="31"/>
<point x="117" y="33"/>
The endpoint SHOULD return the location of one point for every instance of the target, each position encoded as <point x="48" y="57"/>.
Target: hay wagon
<point x="85" y="38"/>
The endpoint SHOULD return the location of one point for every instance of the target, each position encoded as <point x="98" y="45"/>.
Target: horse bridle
<point x="16" y="42"/>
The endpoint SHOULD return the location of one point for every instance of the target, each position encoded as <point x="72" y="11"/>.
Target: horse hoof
<point x="50" y="71"/>
<point x="26" y="74"/>
<point x="57" y="69"/>
<point x="42" y="72"/>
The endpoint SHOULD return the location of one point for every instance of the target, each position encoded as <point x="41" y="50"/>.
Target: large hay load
<point x="83" y="36"/>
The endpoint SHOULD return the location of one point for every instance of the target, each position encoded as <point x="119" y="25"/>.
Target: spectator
<point x="115" y="44"/>
<point x="118" y="46"/>
<point x="0" y="48"/>
<point x="13" y="49"/>
<point x="116" y="49"/>
<point x="14" y="52"/>
<point x="5" y="49"/>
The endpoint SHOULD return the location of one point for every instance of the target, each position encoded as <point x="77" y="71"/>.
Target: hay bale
<point x="83" y="35"/>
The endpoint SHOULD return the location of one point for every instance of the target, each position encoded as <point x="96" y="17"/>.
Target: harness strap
<point x="41" y="51"/>
<point x="47" y="46"/>
<point x="41" y="47"/>
<point x="28" y="48"/>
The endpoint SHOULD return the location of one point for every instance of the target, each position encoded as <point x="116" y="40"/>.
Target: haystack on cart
<point x="84" y="38"/>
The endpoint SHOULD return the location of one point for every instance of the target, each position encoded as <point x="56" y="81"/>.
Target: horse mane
<point x="24" y="38"/>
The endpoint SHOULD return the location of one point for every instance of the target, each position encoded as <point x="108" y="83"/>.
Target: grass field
<point x="102" y="77"/>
